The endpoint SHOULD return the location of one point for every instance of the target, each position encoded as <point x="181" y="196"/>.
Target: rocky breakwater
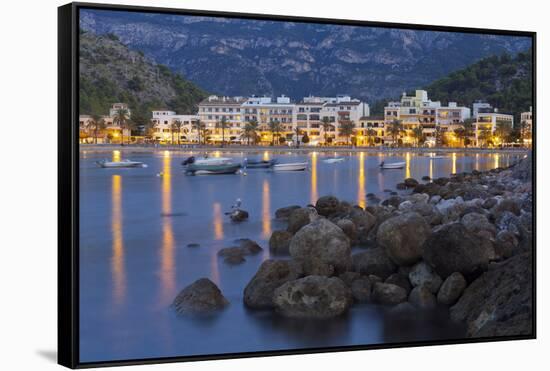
<point x="463" y="242"/>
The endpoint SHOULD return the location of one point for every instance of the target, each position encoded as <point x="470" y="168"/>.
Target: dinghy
<point x="393" y="165"/>
<point x="196" y="169"/>
<point x="293" y="166"/>
<point x="333" y="160"/>
<point x="120" y="164"/>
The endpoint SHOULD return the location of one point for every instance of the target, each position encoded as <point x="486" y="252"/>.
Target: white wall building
<point x="214" y="109"/>
<point x="166" y="130"/>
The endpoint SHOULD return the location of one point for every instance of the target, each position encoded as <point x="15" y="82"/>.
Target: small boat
<point x="120" y="164"/>
<point x="293" y="166"/>
<point x="437" y="157"/>
<point x="195" y="169"/>
<point x="258" y="164"/>
<point x="393" y="165"/>
<point x="206" y="160"/>
<point x="333" y="160"/>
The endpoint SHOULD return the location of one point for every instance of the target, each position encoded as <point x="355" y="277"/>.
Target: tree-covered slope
<point x="110" y="72"/>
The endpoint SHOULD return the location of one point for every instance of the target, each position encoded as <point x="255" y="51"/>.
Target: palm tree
<point x="298" y="132"/>
<point x="200" y="127"/>
<point x="150" y="128"/>
<point x="222" y="125"/>
<point x="346" y="129"/>
<point x="122" y="119"/>
<point x="177" y="124"/>
<point x="484" y="135"/>
<point x="371" y="135"/>
<point x="418" y="134"/>
<point x="96" y="124"/>
<point x="468" y="126"/>
<point x="275" y="128"/>
<point x="395" y="129"/>
<point x="502" y="131"/>
<point x="249" y="131"/>
<point x="327" y="126"/>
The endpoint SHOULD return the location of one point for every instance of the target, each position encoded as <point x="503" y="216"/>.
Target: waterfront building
<point x="214" y="110"/>
<point x="309" y="121"/>
<point x="526" y="120"/>
<point x="371" y="131"/>
<point x="480" y="106"/>
<point x="448" y="120"/>
<point x="112" y="131"/>
<point x="486" y="124"/>
<point x="264" y="110"/>
<point x="165" y="127"/>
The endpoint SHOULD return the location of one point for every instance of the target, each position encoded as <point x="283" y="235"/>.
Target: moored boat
<point x="206" y="160"/>
<point x="197" y="169"/>
<point x="293" y="166"/>
<point x="333" y="160"/>
<point x="258" y="164"/>
<point x="393" y="165"/>
<point x="120" y="164"/>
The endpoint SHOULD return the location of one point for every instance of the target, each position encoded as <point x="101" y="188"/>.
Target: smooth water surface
<point x="135" y="225"/>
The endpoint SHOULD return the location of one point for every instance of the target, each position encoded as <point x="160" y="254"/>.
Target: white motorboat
<point x="393" y="165"/>
<point x="437" y="157"/>
<point x="120" y="164"/>
<point x="333" y="160"/>
<point x="215" y="161"/>
<point x="293" y="166"/>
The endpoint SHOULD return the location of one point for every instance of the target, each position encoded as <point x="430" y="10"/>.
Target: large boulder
<point x="451" y="289"/>
<point x="400" y="280"/>
<point x="500" y="301"/>
<point x="279" y="242"/>
<point x="201" y="297"/>
<point x="363" y="220"/>
<point x="324" y="241"/>
<point x="423" y="275"/>
<point x="361" y="289"/>
<point x="373" y="261"/>
<point x="422" y="297"/>
<point x="313" y="297"/>
<point x="507" y="204"/>
<point x="403" y="236"/>
<point x="451" y="248"/>
<point x="284" y="212"/>
<point x="387" y="293"/>
<point x="349" y="228"/>
<point x="327" y="205"/>
<point x="300" y="217"/>
<point x="476" y="223"/>
<point x="271" y="274"/>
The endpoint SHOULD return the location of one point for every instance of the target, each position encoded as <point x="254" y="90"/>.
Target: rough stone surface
<point x="422" y="297"/>
<point x="499" y="302"/>
<point x="301" y="217"/>
<point x="279" y="242"/>
<point x="313" y="297"/>
<point x="451" y="289"/>
<point x="403" y="237"/>
<point x="387" y="293"/>
<point x="373" y="261"/>
<point x="349" y="228"/>
<point x="327" y="205"/>
<point x="423" y="275"/>
<point x="325" y="241"/>
<point x="451" y="248"/>
<point x="201" y="297"/>
<point x="284" y="212"/>
<point x="271" y="274"/>
<point x="361" y="289"/>
<point x="400" y="280"/>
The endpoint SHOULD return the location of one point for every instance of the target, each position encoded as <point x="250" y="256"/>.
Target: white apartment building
<point x="215" y="109"/>
<point x="481" y="107"/>
<point x="165" y="128"/>
<point x="488" y="121"/>
<point x="309" y="120"/>
<point x="527" y="126"/>
<point x="112" y="132"/>
<point x="264" y="110"/>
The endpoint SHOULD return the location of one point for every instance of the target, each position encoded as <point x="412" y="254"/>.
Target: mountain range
<point x="243" y="57"/>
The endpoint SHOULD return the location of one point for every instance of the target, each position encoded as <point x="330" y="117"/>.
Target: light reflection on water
<point x="135" y="228"/>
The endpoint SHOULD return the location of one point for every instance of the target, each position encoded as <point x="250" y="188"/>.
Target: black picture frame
<point x="68" y="181"/>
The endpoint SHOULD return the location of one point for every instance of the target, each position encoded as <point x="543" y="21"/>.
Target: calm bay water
<point x="135" y="227"/>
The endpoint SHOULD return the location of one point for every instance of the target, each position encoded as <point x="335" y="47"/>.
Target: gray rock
<point x="349" y="277"/>
<point x="349" y="228"/>
<point x="284" y="212"/>
<point x="400" y="280"/>
<point x="373" y="261"/>
<point x="327" y="205"/>
<point x="363" y="220"/>
<point x="489" y="203"/>
<point x="271" y="275"/>
<point x="313" y="297"/>
<point x="250" y="246"/>
<point x="387" y="293"/>
<point x="301" y="217"/>
<point x="499" y="302"/>
<point x="451" y="289"/>
<point x="410" y="182"/>
<point x="316" y="267"/>
<point x="422" y="297"/>
<point x="201" y="297"/>
<point x="451" y="248"/>
<point x="325" y="241"/>
<point x="279" y="242"/>
<point x="506" y="244"/>
<point x="475" y="223"/>
<point x="361" y="289"/>
<point x="423" y="275"/>
<point x="506" y="205"/>
<point x="403" y="236"/>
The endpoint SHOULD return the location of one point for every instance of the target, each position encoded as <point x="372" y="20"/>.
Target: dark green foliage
<point x="110" y="73"/>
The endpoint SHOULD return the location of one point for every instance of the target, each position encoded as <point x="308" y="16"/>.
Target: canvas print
<point x="263" y="185"/>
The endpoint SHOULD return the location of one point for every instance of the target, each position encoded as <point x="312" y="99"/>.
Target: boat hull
<point x="396" y="165"/>
<point x="259" y="164"/>
<point x="301" y="166"/>
<point x="212" y="169"/>
<point x="120" y="165"/>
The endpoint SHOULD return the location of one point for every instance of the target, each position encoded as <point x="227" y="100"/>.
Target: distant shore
<point x="302" y="149"/>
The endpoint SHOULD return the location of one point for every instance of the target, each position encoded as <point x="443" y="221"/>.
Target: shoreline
<point x="255" y="149"/>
